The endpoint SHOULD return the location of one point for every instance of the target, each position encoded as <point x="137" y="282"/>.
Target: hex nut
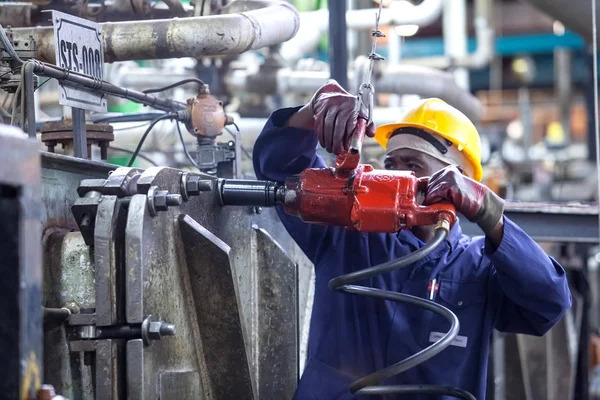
<point x="154" y="330"/>
<point x="160" y="200"/>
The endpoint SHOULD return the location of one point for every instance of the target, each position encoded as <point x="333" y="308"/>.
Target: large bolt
<point x="156" y="330"/>
<point x="193" y="185"/>
<point x="161" y="200"/>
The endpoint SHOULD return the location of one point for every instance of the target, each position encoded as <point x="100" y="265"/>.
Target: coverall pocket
<point x="322" y="382"/>
<point x="467" y="301"/>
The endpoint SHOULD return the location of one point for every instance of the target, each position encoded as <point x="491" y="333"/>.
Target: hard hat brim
<point x="384" y="132"/>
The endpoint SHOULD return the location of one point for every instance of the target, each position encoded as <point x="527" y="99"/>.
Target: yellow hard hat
<point x="438" y="117"/>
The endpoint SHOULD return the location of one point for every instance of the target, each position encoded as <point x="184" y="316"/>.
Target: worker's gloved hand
<point x="335" y="113"/>
<point x="472" y="199"/>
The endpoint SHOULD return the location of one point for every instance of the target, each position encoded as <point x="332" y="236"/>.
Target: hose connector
<point x="443" y="223"/>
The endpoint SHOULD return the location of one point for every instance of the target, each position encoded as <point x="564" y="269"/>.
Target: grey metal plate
<point x="158" y="283"/>
<point x="217" y="312"/>
<point x="108" y="247"/>
<point x="275" y="318"/>
<point x="180" y="385"/>
<point x="546" y="222"/>
<point x="60" y="178"/>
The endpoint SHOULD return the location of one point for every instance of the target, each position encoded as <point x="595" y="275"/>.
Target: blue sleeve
<point x="530" y="287"/>
<point x="280" y="152"/>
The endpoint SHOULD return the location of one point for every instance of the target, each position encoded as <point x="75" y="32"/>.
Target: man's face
<point x="412" y="160"/>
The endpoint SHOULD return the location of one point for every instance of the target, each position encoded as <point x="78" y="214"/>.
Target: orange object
<point x="363" y="199"/>
<point x="208" y="117"/>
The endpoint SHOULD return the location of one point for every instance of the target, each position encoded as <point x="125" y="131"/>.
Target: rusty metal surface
<point x="161" y="285"/>
<point x="237" y="226"/>
<point x="154" y="280"/>
<point x="218" y="314"/>
<point x="275" y="321"/>
<point x="109" y="367"/>
<point x="158" y="283"/>
<point x="180" y="385"/>
<point x="60" y="178"/>
<point x="136" y="389"/>
<point x="109" y="244"/>
<point x="68" y="278"/>
<point x="21" y="334"/>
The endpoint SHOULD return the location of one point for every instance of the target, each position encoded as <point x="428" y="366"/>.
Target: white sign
<point x="459" y="341"/>
<point x="79" y="48"/>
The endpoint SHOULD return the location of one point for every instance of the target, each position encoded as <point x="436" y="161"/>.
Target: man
<point x="503" y="280"/>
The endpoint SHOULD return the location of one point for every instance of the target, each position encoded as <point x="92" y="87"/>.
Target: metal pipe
<point x="275" y="22"/>
<point x="80" y="144"/>
<point x="30" y="100"/>
<point x="455" y="37"/>
<point x="96" y="85"/>
<point x="482" y="55"/>
<point x="338" y="47"/>
<point x="394" y="79"/>
<point x="314" y="24"/>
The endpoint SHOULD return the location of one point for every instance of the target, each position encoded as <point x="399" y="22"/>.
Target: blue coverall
<point x="514" y="288"/>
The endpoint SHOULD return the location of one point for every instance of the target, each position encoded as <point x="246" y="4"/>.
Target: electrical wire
<point x="173" y="85"/>
<point x="154" y="122"/>
<point x="202" y="8"/>
<point x="129" y="151"/>
<point x="368" y="385"/>
<point x="187" y="154"/>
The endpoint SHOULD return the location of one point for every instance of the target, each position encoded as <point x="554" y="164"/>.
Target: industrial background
<point x="122" y="119"/>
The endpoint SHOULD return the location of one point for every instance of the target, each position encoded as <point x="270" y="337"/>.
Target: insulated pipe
<point x="314" y="24"/>
<point x="394" y="79"/>
<point x="236" y="33"/>
<point x="482" y="55"/>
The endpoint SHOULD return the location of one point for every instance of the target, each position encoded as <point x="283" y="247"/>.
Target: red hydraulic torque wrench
<point x="351" y="195"/>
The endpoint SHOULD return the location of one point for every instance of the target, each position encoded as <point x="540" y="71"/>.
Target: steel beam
<point x="550" y="222"/>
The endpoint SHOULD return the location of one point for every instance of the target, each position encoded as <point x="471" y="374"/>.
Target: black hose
<point x="367" y="385"/>
<point x="139" y="146"/>
<point x="419" y="389"/>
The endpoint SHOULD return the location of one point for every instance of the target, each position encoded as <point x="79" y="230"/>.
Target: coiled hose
<point x="368" y="385"/>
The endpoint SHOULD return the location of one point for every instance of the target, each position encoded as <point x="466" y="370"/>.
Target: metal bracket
<point x="209" y="156"/>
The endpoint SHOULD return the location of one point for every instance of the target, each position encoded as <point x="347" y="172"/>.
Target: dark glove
<point x="336" y="114"/>
<point x="472" y="199"/>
